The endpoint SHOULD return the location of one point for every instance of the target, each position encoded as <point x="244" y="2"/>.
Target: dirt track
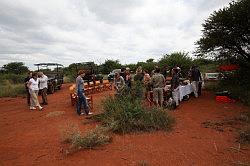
<point x="31" y="138"/>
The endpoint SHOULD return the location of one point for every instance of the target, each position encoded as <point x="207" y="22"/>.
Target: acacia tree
<point x="15" y="67"/>
<point x="226" y="33"/>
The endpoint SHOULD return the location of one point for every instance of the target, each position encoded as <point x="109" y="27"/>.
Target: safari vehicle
<point x="111" y="75"/>
<point x="212" y="76"/>
<point x="54" y="72"/>
<point x="91" y="71"/>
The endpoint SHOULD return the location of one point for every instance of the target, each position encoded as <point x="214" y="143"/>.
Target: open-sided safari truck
<point x="54" y="72"/>
<point x="90" y="69"/>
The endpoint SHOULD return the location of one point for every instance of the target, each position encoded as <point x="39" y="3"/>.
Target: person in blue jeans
<point x="81" y="96"/>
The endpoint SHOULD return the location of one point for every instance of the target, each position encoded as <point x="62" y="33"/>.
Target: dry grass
<point x="8" y="89"/>
<point x="142" y="163"/>
<point x="55" y="114"/>
<point x="96" y="137"/>
<point x="244" y="136"/>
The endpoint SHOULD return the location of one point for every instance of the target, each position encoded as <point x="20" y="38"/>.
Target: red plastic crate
<point x="224" y="99"/>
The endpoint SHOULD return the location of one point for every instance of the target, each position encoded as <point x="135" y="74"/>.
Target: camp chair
<point x="74" y="98"/>
<point x="107" y="85"/>
<point x="89" y="88"/>
<point x="97" y="86"/>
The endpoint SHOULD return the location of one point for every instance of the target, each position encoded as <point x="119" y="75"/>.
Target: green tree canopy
<point x="16" y="68"/>
<point x="149" y="65"/>
<point x="109" y="65"/>
<point x="226" y="33"/>
<point x="179" y="59"/>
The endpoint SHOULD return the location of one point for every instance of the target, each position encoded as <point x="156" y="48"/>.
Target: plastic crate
<point x="224" y="99"/>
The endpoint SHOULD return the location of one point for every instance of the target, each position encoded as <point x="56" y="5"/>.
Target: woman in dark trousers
<point x="81" y="96"/>
<point x="26" y="81"/>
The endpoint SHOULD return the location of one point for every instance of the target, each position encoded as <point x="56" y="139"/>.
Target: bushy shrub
<point x="8" y="89"/>
<point x="238" y="83"/>
<point x="180" y="59"/>
<point x="96" y="137"/>
<point x="127" y="114"/>
<point x="13" y="78"/>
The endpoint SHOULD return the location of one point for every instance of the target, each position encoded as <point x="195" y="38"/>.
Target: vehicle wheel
<point x="52" y="89"/>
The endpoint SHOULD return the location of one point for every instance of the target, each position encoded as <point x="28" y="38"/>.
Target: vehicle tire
<point x="52" y="89"/>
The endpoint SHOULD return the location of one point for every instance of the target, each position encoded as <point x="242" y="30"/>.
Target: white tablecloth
<point x="185" y="90"/>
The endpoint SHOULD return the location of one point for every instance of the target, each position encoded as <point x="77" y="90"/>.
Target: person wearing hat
<point x="26" y="81"/>
<point x="128" y="78"/>
<point x="119" y="84"/>
<point x="123" y="73"/>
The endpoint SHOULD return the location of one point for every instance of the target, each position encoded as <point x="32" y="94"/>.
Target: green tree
<point x="226" y="33"/>
<point x="148" y="65"/>
<point x="109" y="65"/>
<point x="179" y="59"/>
<point x="132" y="67"/>
<point x="15" y="67"/>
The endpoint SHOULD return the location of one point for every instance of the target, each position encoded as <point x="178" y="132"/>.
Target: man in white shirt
<point x="43" y="86"/>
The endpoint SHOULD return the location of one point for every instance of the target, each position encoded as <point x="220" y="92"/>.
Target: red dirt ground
<point x="31" y="138"/>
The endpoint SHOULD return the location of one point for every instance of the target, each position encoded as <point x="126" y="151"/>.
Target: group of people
<point x="123" y="83"/>
<point x="33" y="83"/>
<point x="157" y="82"/>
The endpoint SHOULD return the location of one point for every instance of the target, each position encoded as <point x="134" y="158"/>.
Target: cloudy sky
<point x="68" y="31"/>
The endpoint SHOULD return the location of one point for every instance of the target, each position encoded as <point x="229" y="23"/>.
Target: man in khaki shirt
<point x="158" y="82"/>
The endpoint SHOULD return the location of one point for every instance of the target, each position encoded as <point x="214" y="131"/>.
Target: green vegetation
<point x="177" y="59"/>
<point x="12" y="78"/>
<point x="126" y="114"/>
<point x="8" y="89"/>
<point x="15" y="68"/>
<point x="123" y="114"/>
<point x="226" y="32"/>
<point x="109" y="65"/>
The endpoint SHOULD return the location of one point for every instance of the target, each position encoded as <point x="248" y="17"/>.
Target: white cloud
<point x="68" y="31"/>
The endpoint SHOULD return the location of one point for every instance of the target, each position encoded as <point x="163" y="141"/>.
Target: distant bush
<point x="8" y="89"/>
<point x="68" y="79"/>
<point x="13" y="78"/>
<point x="127" y="114"/>
<point x="180" y="59"/>
<point x="238" y="83"/>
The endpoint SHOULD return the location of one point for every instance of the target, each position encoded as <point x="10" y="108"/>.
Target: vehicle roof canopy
<point x="48" y="64"/>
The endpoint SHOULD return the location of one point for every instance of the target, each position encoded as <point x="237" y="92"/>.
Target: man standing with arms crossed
<point x="43" y="86"/>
